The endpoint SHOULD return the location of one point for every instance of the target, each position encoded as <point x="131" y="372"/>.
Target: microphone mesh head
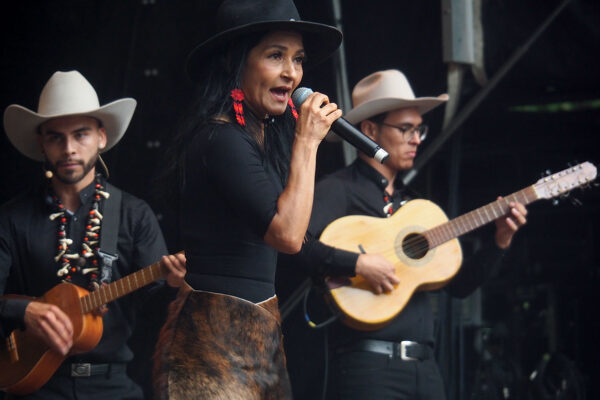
<point x="300" y="95"/>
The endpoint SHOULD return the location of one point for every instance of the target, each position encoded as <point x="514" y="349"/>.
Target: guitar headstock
<point x="566" y="180"/>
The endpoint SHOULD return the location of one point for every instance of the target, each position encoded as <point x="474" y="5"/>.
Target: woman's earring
<point x="238" y="96"/>
<point x="293" y="108"/>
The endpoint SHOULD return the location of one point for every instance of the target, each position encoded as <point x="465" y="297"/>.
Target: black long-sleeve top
<point x="28" y="245"/>
<point x="229" y="199"/>
<point x="359" y="190"/>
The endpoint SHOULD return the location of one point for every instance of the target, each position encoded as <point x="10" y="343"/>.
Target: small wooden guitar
<point x="422" y="244"/>
<point x="26" y="363"/>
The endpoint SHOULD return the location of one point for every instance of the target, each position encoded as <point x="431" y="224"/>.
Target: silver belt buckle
<point x="81" y="369"/>
<point x="403" y="345"/>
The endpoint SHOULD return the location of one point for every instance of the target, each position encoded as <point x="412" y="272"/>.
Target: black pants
<point x="366" y="375"/>
<point x="114" y="385"/>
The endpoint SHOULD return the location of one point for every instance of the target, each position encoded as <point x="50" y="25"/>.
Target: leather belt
<point x="82" y="370"/>
<point x="405" y="350"/>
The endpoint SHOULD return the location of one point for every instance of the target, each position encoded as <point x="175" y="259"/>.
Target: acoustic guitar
<point x="27" y="363"/>
<point x="422" y="244"/>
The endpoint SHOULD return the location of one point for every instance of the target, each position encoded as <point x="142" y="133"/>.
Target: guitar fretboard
<point x="478" y="217"/>
<point x="120" y="288"/>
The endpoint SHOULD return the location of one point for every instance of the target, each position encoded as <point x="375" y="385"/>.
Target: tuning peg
<point x="568" y="195"/>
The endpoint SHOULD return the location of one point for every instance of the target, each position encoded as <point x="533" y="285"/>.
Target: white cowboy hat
<point x="65" y="94"/>
<point x="385" y="91"/>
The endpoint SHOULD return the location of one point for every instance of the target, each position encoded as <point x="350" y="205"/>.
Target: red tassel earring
<point x="238" y="96"/>
<point x="293" y="108"/>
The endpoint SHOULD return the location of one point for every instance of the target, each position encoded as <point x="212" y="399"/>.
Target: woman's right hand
<point x="316" y="116"/>
<point x="288" y="227"/>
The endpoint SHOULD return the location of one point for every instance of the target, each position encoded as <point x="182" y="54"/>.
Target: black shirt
<point x="28" y="245"/>
<point x="229" y="199"/>
<point x="360" y="190"/>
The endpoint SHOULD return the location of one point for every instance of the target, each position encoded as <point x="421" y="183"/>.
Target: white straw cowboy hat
<point x="385" y="91"/>
<point x="65" y="94"/>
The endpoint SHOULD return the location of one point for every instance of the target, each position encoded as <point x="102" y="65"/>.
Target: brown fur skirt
<point x="215" y="346"/>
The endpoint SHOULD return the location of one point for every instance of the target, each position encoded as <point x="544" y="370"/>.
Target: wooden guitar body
<point x="26" y="363"/>
<point x="37" y="362"/>
<point x="417" y="267"/>
<point x="423" y="246"/>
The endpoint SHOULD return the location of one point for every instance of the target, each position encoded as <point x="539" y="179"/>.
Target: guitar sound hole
<point x="415" y="246"/>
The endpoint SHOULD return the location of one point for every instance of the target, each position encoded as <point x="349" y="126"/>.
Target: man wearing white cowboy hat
<point x="367" y="366"/>
<point x="76" y="228"/>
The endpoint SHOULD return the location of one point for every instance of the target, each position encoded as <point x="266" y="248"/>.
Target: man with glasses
<point x="372" y="365"/>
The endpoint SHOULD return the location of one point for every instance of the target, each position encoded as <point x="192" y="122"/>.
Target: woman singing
<point x="246" y="164"/>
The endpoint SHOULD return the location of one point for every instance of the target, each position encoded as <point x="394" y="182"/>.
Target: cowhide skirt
<point x="220" y="347"/>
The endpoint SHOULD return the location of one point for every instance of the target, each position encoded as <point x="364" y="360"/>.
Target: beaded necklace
<point x="388" y="208"/>
<point x="86" y="262"/>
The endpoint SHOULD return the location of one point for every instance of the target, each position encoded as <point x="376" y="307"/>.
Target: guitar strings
<point x="419" y="243"/>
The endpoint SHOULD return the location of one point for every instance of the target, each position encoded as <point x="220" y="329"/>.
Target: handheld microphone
<point x="346" y="130"/>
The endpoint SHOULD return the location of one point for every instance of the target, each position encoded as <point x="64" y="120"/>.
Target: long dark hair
<point x="220" y="75"/>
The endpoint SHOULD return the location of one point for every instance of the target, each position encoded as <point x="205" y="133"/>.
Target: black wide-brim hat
<point x="237" y="17"/>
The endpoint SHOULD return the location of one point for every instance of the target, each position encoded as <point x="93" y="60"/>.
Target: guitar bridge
<point x="11" y="346"/>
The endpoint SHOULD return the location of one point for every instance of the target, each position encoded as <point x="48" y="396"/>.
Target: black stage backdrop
<point x="542" y="302"/>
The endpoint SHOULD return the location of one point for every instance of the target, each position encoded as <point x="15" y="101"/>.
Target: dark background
<point x="542" y="302"/>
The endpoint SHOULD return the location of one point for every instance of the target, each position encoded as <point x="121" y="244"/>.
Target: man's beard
<point x="73" y="177"/>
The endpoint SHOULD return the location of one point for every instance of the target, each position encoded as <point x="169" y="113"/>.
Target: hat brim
<point x="21" y="124"/>
<point x="320" y="41"/>
<point x="375" y="107"/>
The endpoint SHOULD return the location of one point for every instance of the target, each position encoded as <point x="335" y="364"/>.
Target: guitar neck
<point x="478" y="217"/>
<point x="114" y="290"/>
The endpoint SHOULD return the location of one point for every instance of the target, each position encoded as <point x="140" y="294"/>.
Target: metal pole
<point x="480" y="96"/>
<point x="341" y="82"/>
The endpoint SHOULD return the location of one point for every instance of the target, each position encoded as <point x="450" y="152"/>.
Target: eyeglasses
<point x="408" y="131"/>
